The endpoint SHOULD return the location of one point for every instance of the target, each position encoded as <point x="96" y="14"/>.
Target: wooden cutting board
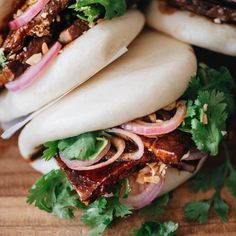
<point x="18" y="218"/>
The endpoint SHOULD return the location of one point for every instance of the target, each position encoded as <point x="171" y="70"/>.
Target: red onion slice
<point x="26" y="79"/>
<point x="148" y="193"/>
<point x="161" y="127"/>
<point x="77" y="164"/>
<point x="120" y="147"/>
<point x="133" y="137"/>
<point x="28" y="15"/>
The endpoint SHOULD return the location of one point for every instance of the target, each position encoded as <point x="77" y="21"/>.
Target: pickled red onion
<point x="133" y="137"/>
<point x="28" y="15"/>
<point x="142" y="195"/>
<point x="161" y="127"/>
<point x="29" y="76"/>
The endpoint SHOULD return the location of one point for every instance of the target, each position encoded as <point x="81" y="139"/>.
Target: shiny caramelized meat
<point x="12" y="70"/>
<point x="94" y="183"/>
<point x="73" y="31"/>
<point x="225" y="11"/>
<point x="38" y="27"/>
<point x="170" y="147"/>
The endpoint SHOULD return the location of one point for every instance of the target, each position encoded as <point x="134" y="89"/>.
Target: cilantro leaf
<point x="54" y="194"/>
<point x="157" y="207"/>
<point x="101" y="213"/>
<point x="3" y="59"/>
<point x="82" y="147"/>
<point x="220" y="207"/>
<point x="197" y="211"/>
<point x="153" y="228"/>
<point x="209" y="103"/>
<point x="231" y="183"/>
<point x="212" y="178"/>
<point x="50" y="150"/>
<point x="79" y="147"/>
<point x="91" y="10"/>
<point x="127" y="188"/>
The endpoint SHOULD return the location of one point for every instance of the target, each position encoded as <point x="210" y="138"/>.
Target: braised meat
<point x="38" y="27"/>
<point x="94" y="183"/>
<point x="73" y="31"/>
<point x="224" y="11"/>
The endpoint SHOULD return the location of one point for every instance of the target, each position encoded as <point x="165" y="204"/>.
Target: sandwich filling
<point x="121" y="169"/>
<point x="34" y="40"/>
<point x="219" y="11"/>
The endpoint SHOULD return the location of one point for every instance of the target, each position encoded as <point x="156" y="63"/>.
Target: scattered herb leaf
<point x="153" y="228"/>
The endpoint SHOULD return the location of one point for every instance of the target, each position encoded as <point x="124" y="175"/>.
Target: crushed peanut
<point x="36" y="58"/>
<point x="44" y="48"/>
<point x="170" y="107"/>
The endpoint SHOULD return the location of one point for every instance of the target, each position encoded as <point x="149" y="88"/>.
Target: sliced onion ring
<point x="120" y="147"/>
<point x="162" y="127"/>
<point x="28" y="15"/>
<point x="147" y="194"/>
<point x="77" y="164"/>
<point x="26" y="79"/>
<point x="133" y="137"/>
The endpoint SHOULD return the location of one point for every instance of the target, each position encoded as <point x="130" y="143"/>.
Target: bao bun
<point x="193" y="29"/>
<point x="155" y="72"/>
<point x="78" y="61"/>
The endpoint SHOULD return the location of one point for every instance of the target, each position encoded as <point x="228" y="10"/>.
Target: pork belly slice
<point x="224" y="11"/>
<point x="91" y="184"/>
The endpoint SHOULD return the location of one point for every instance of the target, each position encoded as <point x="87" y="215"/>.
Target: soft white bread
<point x="155" y="72"/>
<point x="77" y="63"/>
<point x="7" y="8"/>
<point x="190" y="28"/>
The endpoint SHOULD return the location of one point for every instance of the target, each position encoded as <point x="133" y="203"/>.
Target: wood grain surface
<point x="18" y="218"/>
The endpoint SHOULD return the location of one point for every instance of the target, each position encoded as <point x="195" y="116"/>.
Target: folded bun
<point x="78" y="61"/>
<point x="153" y="73"/>
<point x="193" y="29"/>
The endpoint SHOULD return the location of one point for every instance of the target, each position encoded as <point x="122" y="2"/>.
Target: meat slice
<point x="73" y="32"/>
<point x="225" y="11"/>
<point x="38" y="27"/>
<point x="94" y="183"/>
<point x="11" y="71"/>
<point x="169" y="148"/>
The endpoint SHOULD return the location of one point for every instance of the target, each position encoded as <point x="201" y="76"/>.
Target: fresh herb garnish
<point x="54" y="194"/>
<point x="92" y="10"/>
<point x="82" y="147"/>
<point x="209" y="103"/>
<point x="215" y="178"/>
<point x="157" y="207"/>
<point x="3" y="59"/>
<point x="103" y="211"/>
<point x="153" y="228"/>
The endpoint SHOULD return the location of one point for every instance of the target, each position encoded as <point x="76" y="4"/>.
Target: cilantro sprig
<point x="209" y="103"/>
<point x="216" y="178"/>
<point x="3" y="59"/>
<point x="92" y="10"/>
<point x="54" y="194"/>
<point x="82" y="147"/>
<point x="154" y="228"/>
